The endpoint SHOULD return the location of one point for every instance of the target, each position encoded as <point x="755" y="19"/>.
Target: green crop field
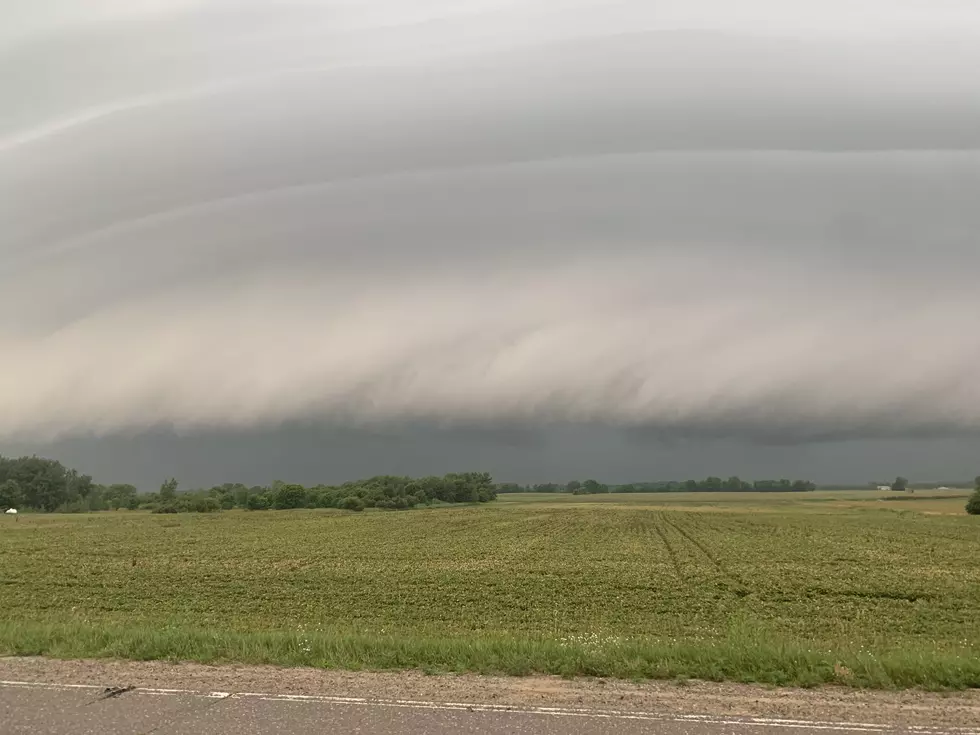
<point x="862" y="588"/>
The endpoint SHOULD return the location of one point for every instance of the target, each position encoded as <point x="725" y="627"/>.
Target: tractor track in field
<point x="741" y="588"/>
<point x="674" y="561"/>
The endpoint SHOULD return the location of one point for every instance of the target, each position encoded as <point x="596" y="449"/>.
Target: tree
<point x="352" y="502"/>
<point x="257" y="501"/>
<point x="121" y="495"/>
<point x="288" y="496"/>
<point x="204" y="505"/>
<point x="972" y="505"/>
<point x="900" y="485"/>
<point x="593" y="487"/>
<point x="11" y="495"/>
<point x="168" y="490"/>
<point x="80" y="486"/>
<point x="241" y="496"/>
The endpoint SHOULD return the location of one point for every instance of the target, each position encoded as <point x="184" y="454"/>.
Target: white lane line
<point x="45" y="685"/>
<point x="748" y="721"/>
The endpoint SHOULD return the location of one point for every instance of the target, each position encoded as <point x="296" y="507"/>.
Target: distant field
<point x="856" y="587"/>
<point x="930" y="501"/>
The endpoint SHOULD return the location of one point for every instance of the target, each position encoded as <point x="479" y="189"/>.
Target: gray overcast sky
<point x="549" y="237"/>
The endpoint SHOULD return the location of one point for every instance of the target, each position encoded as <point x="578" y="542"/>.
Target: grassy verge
<point x="740" y="656"/>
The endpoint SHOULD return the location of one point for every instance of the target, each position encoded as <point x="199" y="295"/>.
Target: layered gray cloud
<point x="682" y="219"/>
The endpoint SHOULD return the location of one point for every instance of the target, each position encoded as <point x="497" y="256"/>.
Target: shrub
<point x="327" y="498"/>
<point x="353" y="503"/>
<point x="973" y="504"/>
<point x="205" y="505"/>
<point x="287" y="497"/>
<point x="257" y="502"/>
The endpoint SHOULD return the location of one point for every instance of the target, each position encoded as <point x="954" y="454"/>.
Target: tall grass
<point x="743" y="655"/>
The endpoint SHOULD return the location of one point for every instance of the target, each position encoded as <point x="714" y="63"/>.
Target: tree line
<point x="710" y="484"/>
<point x="46" y="485"/>
<point x="388" y="492"/>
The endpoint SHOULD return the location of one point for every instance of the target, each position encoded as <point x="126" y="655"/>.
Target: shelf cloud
<point x="759" y="224"/>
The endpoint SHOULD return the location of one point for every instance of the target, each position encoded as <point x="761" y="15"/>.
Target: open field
<point x="808" y="588"/>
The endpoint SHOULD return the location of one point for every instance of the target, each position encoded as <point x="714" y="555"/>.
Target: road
<point x="59" y="709"/>
<point x="90" y="698"/>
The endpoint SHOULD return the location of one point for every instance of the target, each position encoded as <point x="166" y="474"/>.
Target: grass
<point x="823" y="587"/>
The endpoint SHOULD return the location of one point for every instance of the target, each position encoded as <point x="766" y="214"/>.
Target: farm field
<point x="860" y="588"/>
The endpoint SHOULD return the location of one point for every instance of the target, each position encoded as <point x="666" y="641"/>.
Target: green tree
<point x="288" y="496"/>
<point x="44" y="482"/>
<point x="11" y="495"/>
<point x="257" y="501"/>
<point x="206" y="504"/>
<point x="972" y="505"/>
<point x="593" y="487"/>
<point x="241" y="496"/>
<point x="121" y="495"/>
<point x="352" y="502"/>
<point x="900" y="485"/>
<point x="168" y="490"/>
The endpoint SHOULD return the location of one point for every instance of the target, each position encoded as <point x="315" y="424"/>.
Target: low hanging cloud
<point x="490" y="214"/>
<point x="633" y="342"/>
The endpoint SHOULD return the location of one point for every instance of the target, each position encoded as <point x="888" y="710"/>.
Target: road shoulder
<point x="827" y="704"/>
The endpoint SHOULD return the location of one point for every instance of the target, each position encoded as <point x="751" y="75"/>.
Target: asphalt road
<point x="85" y="709"/>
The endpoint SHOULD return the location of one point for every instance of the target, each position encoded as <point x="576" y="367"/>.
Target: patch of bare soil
<point x="836" y="704"/>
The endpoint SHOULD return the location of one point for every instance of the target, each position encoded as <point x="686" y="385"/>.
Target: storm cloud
<point x="683" y="220"/>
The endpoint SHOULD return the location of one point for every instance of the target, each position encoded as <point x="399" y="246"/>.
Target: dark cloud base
<point x="315" y="453"/>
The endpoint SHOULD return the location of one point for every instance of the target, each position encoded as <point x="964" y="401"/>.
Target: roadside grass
<point x="738" y="657"/>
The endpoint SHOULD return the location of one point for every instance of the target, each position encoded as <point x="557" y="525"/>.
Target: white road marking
<point x="864" y="727"/>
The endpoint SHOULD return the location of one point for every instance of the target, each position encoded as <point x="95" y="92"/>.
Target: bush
<point x="973" y="504"/>
<point x="326" y="498"/>
<point x="204" y="505"/>
<point x="287" y="497"/>
<point x="170" y="507"/>
<point x="352" y="502"/>
<point x="257" y="502"/>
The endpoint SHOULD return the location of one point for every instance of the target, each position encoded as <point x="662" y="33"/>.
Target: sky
<point x="549" y="238"/>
